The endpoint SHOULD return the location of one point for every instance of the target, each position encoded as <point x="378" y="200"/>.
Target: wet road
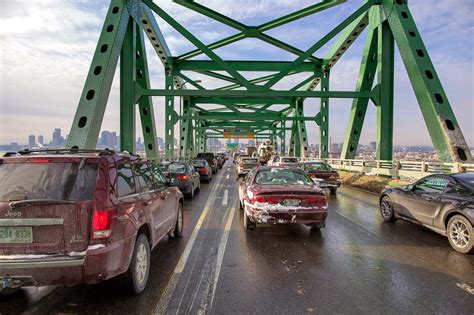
<point x="357" y="264"/>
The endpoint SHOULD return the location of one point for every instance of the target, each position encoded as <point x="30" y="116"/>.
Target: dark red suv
<point x="69" y="217"/>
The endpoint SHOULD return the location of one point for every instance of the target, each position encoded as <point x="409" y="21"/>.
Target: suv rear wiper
<point x="30" y="202"/>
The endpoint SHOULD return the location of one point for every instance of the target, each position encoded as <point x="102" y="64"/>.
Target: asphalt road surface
<point x="357" y="264"/>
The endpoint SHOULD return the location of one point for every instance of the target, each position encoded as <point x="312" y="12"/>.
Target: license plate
<point x="16" y="235"/>
<point x="292" y="202"/>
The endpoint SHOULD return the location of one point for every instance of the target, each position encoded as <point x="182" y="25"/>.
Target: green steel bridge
<point x="248" y="105"/>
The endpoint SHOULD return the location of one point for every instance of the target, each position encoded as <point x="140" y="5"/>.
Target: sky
<point x="46" y="47"/>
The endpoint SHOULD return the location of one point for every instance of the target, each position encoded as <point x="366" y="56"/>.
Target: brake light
<point x="334" y="176"/>
<point x="203" y="169"/>
<point x="315" y="200"/>
<point x="38" y="160"/>
<point x="257" y="198"/>
<point x="182" y="177"/>
<point x="101" y="223"/>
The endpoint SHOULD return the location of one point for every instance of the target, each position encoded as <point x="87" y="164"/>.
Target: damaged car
<point x="276" y="195"/>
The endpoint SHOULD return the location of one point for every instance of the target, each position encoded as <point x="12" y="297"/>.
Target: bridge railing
<point x="397" y="168"/>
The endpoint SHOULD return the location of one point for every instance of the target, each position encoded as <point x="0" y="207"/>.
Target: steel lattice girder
<point x="390" y="20"/>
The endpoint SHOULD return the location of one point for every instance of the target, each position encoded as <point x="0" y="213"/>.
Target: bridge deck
<point x="356" y="264"/>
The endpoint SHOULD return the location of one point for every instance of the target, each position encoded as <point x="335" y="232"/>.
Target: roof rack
<point x="100" y="152"/>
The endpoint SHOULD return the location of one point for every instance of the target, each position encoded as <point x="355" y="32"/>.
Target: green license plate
<point x="16" y="235"/>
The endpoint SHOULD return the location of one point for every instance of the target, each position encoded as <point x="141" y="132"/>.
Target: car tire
<point x="178" y="226"/>
<point x="136" y="277"/>
<point x="248" y="225"/>
<point x="241" y="207"/>
<point x="386" y="209"/>
<point x="460" y="234"/>
<point x="333" y="191"/>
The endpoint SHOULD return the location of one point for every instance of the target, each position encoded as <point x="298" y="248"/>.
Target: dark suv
<point x="72" y="217"/>
<point x="211" y="159"/>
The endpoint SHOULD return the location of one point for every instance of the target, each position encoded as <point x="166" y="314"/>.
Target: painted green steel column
<point x="440" y="120"/>
<point x="302" y="134"/>
<point x="291" y="149"/>
<point x="384" y="133"/>
<point x="145" y="105"/>
<point x="169" y="116"/>
<point x="324" y="118"/>
<point x="127" y="91"/>
<point x="186" y="130"/>
<point x="283" y="139"/>
<point x="365" y="81"/>
<point x="89" y="115"/>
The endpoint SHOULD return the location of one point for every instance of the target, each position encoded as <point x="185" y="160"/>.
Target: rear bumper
<point x="204" y="177"/>
<point x="304" y="215"/>
<point x="97" y="263"/>
<point x="329" y="184"/>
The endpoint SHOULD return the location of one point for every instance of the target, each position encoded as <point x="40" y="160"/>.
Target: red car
<point x="323" y="174"/>
<point x="279" y="195"/>
<point x="73" y="217"/>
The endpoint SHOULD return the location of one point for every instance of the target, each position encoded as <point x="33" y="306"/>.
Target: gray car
<point x="442" y="203"/>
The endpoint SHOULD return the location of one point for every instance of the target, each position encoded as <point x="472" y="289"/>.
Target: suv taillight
<point x="101" y="223"/>
<point x="334" y="176"/>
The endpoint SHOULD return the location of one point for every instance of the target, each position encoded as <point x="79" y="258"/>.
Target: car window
<point x="60" y="181"/>
<point x="144" y="177"/>
<point x="289" y="160"/>
<point x="250" y="161"/>
<point x="282" y="177"/>
<point x="125" y="180"/>
<point x="432" y="185"/>
<point x="160" y="179"/>
<point x="317" y="167"/>
<point x="177" y="168"/>
<point x="457" y="189"/>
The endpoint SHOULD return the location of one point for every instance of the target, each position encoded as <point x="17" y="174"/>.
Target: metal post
<point x="324" y="118"/>
<point x="127" y="84"/>
<point x="384" y="133"/>
<point x="169" y="117"/>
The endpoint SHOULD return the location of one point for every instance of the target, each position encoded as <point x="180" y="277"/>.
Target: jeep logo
<point x="13" y="214"/>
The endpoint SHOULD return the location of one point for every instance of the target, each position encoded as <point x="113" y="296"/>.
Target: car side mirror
<point x="173" y="182"/>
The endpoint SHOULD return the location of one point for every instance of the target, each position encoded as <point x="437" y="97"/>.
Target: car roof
<point x="269" y="168"/>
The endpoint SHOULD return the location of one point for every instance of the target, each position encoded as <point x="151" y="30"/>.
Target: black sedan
<point x="186" y="174"/>
<point x="442" y="203"/>
<point x="204" y="170"/>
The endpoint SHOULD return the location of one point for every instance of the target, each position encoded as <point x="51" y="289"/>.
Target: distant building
<point x="40" y="140"/>
<point x="58" y="140"/>
<point x="31" y="141"/>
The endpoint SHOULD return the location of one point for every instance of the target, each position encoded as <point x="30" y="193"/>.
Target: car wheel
<point x="9" y="291"/>
<point x="460" y="234"/>
<point x="241" y="207"/>
<point x="333" y="191"/>
<point x="178" y="227"/>
<point x="136" y="277"/>
<point x="386" y="209"/>
<point x="248" y="225"/>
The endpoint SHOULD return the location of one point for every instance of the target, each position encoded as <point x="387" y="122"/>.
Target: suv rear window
<point x="206" y="155"/>
<point x="59" y="181"/>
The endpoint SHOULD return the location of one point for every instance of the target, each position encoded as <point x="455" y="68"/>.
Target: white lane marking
<point x="465" y="287"/>
<point x="226" y="197"/>
<point x="227" y="177"/>
<point x="221" y="251"/>
<point x="162" y="305"/>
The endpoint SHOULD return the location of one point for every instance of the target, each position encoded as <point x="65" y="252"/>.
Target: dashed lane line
<point x="226" y="197"/>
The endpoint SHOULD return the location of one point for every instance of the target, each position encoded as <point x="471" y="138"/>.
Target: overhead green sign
<point x="232" y="145"/>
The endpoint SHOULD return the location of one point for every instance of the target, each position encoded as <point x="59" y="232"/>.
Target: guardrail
<point x="400" y="169"/>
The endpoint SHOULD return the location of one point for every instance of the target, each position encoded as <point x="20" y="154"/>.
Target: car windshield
<point x="317" y="167"/>
<point x="277" y="176"/>
<point x="289" y="160"/>
<point x="206" y="155"/>
<point x="199" y="163"/>
<point x="177" y="168"/>
<point x="58" y="181"/>
<point x="250" y="161"/>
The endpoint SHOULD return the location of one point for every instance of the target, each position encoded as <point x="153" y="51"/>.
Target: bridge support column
<point x="283" y="139"/>
<point x="365" y="81"/>
<point x="145" y="105"/>
<point x="324" y="118"/>
<point x="127" y="96"/>
<point x="89" y="115"/>
<point x="169" y="116"/>
<point x="434" y="104"/>
<point x="302" y="134"/>
<point x="291" y="149"/>
<point x="384" y="133"/>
